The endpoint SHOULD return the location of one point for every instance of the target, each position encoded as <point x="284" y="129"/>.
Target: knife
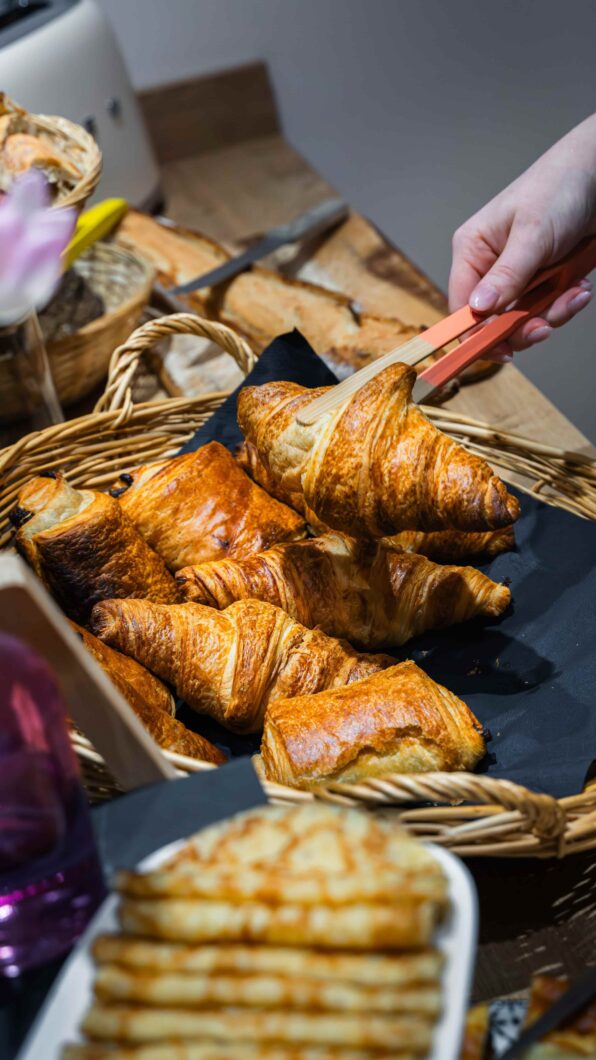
<point x="574" y="999"/>
<point x="324" y="216"/>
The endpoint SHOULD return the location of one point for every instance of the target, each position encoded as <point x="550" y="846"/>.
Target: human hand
<point x="531" y="224"/>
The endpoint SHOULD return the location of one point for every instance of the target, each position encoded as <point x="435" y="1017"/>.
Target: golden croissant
<point x="376" y="465"/>
<point x="151" y="701"/>
<point x="452" y="546"/>
<point x="368" y="593"/>
<point x="247" y="457"/>
<point x="230" y="664"/>
<point x="201" y="506"/>
<point x="85" y="548"/>
<point x="398" y="720"/>
<point x="141" y="689"/>
<point x="443" y="546"/>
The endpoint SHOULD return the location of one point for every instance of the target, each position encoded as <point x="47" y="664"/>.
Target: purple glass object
<point x="51" y="881"/>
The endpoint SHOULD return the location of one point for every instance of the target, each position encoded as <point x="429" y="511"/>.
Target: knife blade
<point x="324" y="216"/>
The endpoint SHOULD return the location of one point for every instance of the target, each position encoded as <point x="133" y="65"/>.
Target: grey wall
<point x="418" y="110"/>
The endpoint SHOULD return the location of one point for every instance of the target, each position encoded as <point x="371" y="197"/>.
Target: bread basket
<point x="65" y="137"/>
<point x="473" y="815"/>
<point x="80" y="361"/>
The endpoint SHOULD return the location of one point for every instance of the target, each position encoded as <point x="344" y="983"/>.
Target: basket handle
<point x="124" y="360"/>
<point x="542" y="815"/>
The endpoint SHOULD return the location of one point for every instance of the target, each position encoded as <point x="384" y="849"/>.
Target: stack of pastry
<point x="231" y="580"/>
<point x="283" y="933"/>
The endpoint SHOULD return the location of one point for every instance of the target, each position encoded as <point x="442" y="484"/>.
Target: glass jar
<point x="51" y="881"/>
<point x="27" y="392"/>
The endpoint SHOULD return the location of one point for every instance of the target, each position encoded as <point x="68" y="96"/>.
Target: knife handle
<point x="93" y="224"/>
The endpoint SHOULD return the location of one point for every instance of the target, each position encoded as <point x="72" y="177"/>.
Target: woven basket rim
<point x="63" y="128"/>
<point x="480" y="815"/>
<point x="509" y="821"/>
<point x="85" y="187"/>
<point x="141" y="290"/>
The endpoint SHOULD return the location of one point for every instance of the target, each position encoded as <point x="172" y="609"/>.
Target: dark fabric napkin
<point x="531" y="676"/>
<point x="287" y="357"/>
<point x="133" y="826"/>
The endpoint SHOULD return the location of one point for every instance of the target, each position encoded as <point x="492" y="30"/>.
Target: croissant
<point x="230" y="664"/>
<point x="248" y="458"/>
<point x="396" y="721"/>
<point x="376" y="465"/>
<point x="139" y="688"/>
<point x="448" y="546"/>
<point x="575" y="1038"/>
<point x="368" y="593"/>
<point x="201" y="506"/>
<point x="443" y="546"/>
<point x="84" y="547"/>
<point x="151" y="701"/>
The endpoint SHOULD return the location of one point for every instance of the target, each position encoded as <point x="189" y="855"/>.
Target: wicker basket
<point x="80" y="361"/>
<point x="69" y="140"/>
<point x="479" y="816"/>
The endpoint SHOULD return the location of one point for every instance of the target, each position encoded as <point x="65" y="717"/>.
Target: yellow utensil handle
<point x="94" y="224"/>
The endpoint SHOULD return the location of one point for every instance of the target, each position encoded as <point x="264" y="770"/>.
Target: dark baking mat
<point x="531" y="676"/>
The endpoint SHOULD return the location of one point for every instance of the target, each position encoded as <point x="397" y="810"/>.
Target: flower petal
<point x="29" y="191"/>
<point x="32" y="238"/>
<point x="37" y="266"/>
<point x="39" y="286"/>
<point x="11" y="231"/>
<point x="55" y="226"/>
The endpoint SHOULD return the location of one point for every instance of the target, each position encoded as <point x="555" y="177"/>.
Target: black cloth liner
<point x="530" y="677"/>
<point x="133" y="826"/>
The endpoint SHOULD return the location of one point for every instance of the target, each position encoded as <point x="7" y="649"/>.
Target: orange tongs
<point x="546" y="286"/>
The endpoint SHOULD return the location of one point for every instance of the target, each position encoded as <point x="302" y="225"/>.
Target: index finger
<point x="463" y="278"/>
<point x="473" y="256"/>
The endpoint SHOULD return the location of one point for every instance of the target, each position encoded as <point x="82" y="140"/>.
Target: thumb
<point x="524" y="253"/>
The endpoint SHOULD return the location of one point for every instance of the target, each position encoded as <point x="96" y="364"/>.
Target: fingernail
<point x="579" y="301"/>
<point x="586" y="284"/>
<point x="539" y="334"/>
<point x="484" y="297"/>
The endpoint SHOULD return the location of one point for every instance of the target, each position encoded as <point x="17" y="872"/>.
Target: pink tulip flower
<point x="32" y="238"/>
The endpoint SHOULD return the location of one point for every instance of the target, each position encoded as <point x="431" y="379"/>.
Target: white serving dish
<point x="67" y="1002"/>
